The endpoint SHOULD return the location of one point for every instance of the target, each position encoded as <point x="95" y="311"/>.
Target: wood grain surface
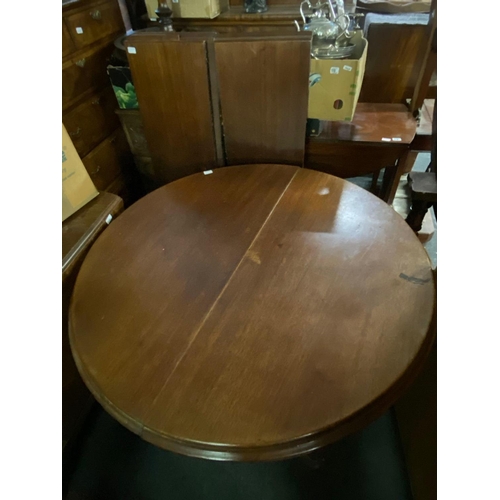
<point x="395" y="57"/>
<point x="374" y="123"/>
<point x="256" y="313"/>
<point x="264" y="93"/>
<point x="171" y="80"/>
<point x="79" y="232"/>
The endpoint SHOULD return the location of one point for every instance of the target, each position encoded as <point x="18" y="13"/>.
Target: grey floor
<point x="114" y="464"/>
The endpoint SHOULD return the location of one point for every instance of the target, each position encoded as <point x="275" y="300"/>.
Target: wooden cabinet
<point x="67" y="42"/>
<point x="92" y="121"/>
<point x="105" y="163"/>
<point x="89" y="105"/>
<point x="89" y="30"/>
<point x="97" y="21"/>
<point x="83" y="72"/>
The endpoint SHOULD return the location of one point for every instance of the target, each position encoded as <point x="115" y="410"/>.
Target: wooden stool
<point x="423" y="186"/>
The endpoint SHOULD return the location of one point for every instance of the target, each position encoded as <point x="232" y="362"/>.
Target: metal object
<point x="255" y="6"/>
<point x="164" y="13"/>
<point x="81" y="62"/>
<point x="331" y="29"/>
<point x="96" y="15"/>
<point x="76" y="133"/>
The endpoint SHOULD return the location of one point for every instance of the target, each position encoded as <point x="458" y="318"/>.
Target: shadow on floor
<point x="114" y="464"/>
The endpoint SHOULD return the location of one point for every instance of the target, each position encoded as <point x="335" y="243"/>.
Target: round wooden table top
<point x="255" y="313"/>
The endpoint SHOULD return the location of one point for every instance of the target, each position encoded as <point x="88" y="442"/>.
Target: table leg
<point x="417" y="213"/>
<point x="392" y="176"/>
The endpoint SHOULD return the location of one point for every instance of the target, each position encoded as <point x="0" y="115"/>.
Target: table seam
<point x="212" y="307"/>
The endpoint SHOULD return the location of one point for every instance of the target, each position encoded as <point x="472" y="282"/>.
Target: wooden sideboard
<point x="395" y="49"/>
<point x="79" y="232"/>
<point x="89" y="28"/>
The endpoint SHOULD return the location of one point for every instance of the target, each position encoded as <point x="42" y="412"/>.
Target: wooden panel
<point x="264" y="93"/>
<point x="81" y="229"/>
<point x="395" y="55"/>
<point x="78" y="234"/>
<point x="95" y="23"/>
<point x="350" y="159"/>
<point x="67" y="42"/>
<point x="133" y="127"/>
<point x="108" y="160"/>
<point x="256" y="313"/>
<point x="417" y="422"/>
<point x="84" y="72"/>
<point x="378" y="123"/>
<point x="92" y="121"/>
<point x="161" y="213"/>
<point x="171" y="80"/>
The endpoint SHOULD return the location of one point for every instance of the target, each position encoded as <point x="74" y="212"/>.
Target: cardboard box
<point x="77" y="186"/>
<point x="201" y="9"/>
<point x="335" y="84"/>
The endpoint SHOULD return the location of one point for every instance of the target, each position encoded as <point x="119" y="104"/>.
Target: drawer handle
<point x="96" y="15"/>
<point x="80" y="63"/>
<point x="96" y="101"/>
<point x="76" y="133"/>
<point x="97" y="169"/>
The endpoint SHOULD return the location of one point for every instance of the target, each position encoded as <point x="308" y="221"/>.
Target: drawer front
<point x="96" y="22"/>
<point x="92" y="121"/>
<point x="134" y="130"/>
<point x="81" y="74"/>
<point x="67" y="42"/>
<point x="108" y="161"/>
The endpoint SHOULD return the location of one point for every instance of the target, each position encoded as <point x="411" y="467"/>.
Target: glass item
<point x="255" y="6"/>
<point x="330" y="27"/>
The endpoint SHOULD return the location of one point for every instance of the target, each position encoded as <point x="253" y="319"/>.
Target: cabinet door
<point x="170" y="75"/>
<point x="264" y="90"/>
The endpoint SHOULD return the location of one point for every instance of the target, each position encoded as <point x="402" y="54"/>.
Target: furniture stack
<point x="89" y="29"/>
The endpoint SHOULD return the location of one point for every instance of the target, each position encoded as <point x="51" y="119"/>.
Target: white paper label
<point x="79" y="30"/>
<point x="153" y="19"/>
<point x="348" y="68"/>
<point x="208" y="172"/>
<point x="131" y="50"/>
<point x="334" y="70"/>
<point x="109" y="218"/>
<point x="386" y="139"/>
<point x="397" y="139"/>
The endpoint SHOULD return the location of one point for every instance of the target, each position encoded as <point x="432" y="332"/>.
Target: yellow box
<point x="200" y="9"/>
<point x="335" y="84"/>
<point x="77" y="186"/>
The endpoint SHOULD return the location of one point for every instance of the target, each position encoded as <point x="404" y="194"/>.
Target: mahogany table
<point x="252" y="313"/>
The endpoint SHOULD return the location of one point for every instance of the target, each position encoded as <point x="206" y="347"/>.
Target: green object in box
<point x="126" y="97"/>
<point x="121" y="79"/>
